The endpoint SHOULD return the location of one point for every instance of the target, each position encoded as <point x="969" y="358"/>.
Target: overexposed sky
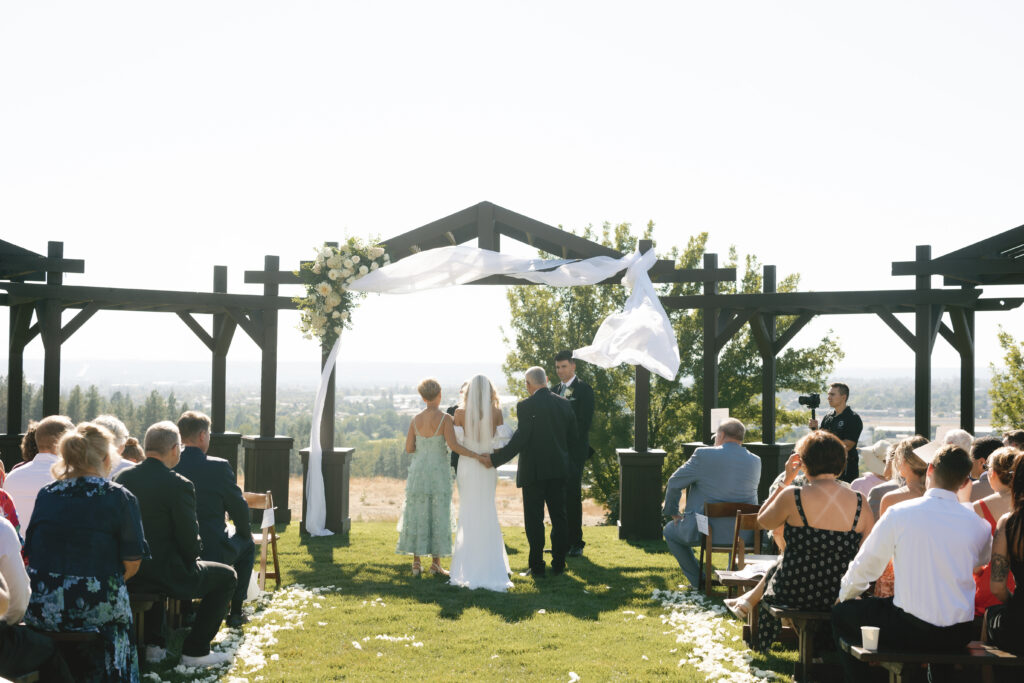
<point x="157" y="140"/>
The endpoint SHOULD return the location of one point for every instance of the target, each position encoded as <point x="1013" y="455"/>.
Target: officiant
<point x="581" y="398"/>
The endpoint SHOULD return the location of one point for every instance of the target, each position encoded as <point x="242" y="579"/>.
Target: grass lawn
<point x="360" y="615"/>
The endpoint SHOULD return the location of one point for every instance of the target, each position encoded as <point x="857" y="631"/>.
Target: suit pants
<point x="243" y="565"/>
<point x="574" y="503"/>
<point x="214" y="587"/>
<point x="681" y="536"/>
<point x="23" y="651"/>
<point x="549" y="492"/>
<point x="898" y="630"/>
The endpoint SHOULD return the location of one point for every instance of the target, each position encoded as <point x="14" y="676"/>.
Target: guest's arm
<point x="186" y="527"/>
<point x="680" y="479"/>
<point x="1000" y="563"/>
<point x="234" y="502"/>
<point x="776" y="511"/>
<point x="12" y="568"/>
<point x="131" y="568"/>
<point x="871" y="559"/>
<point x="410" y="438"/>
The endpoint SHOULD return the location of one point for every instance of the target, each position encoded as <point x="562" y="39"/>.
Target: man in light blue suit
<point x="724" y="473"/>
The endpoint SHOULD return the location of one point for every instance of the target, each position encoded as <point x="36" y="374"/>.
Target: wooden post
<point x="268" y="366"/>
<point x="768" y="365"/>
<point x="335" y="465"/>
<point x="924" y="340"/>
<point x="49" y="316"/>
<point x="218" y="373"/>
<point x="967" y="374"/>
<point x="710" y="375"/>
<point x="641" y="390"/>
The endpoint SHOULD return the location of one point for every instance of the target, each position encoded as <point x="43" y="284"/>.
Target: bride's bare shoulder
<point x="460" y="416"/>
<point x="496" y="416"/>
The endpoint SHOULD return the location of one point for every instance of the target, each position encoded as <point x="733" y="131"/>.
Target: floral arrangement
<point x="327" y="307"/>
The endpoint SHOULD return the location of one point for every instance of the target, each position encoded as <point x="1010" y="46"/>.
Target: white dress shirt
<point x="23" y="485"/>
<point x="15" y="578"/>
<point x="935" y="543"/>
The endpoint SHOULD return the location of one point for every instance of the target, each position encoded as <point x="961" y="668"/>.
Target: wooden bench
<point x="806" y="625"/>
<point x="898" y="663"/>
<point x="141" y="603"/>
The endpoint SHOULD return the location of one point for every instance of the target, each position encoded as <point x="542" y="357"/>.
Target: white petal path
<point x="698" y="622"/>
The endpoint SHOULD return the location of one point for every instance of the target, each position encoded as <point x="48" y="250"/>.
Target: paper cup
<point x="869" y="637"/>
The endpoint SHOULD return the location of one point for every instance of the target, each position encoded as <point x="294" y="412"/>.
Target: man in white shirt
<point x="24" y="481"/>
<point x="934" y="543"/>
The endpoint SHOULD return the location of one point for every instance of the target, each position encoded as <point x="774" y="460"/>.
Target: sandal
<point x="416" y="568"/>
<point x="740" y="607"/>
<point x="437" y="570"/>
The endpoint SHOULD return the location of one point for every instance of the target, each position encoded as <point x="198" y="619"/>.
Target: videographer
<point x="845" y="424"/>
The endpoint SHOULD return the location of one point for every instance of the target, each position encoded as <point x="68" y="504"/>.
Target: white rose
<point x="323" y="289"/>
<point x="376" y="252"/>
<point x="363" y="270"/>
<point x="338" y="329"/>
<point x="333" y="274"/>
<point x="387" y="258"/>
<point x="374" y="266"/>
<point x="317" y="268"/>
<point x="336" y="314"/>
<point x="355" y="258"/>
<point x="344" y="315"/>
<point x="347" y="263"/>
<point x="334" y="261"/>
<point x="326" y="252"/>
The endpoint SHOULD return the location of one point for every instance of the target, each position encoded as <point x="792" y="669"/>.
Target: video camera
<point x="812" y="401"/>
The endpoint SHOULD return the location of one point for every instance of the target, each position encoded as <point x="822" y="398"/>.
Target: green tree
<point x="154" y="410"/>
<point x="94" y="404"/>
<point x="1007" y="390"/>
<point x="545" y="320"/>
<point x="75" y="407"/>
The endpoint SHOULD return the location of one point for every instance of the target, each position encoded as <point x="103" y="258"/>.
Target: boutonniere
<point x="568" y="393"/>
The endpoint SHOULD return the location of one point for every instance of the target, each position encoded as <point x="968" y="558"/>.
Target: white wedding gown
<point x="478" y="558"/>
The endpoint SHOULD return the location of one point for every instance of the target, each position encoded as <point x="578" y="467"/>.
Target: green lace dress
<point x="425" y="527"/>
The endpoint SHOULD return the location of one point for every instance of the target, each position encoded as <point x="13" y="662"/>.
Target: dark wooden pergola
<point x="33" y="286"/>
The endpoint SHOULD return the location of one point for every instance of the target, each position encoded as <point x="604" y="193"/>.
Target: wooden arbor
<point x="640" y="513"/>
<point x="26" y="298"/>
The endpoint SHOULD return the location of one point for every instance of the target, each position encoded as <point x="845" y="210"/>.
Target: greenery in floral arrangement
<point x="327" y="307"/>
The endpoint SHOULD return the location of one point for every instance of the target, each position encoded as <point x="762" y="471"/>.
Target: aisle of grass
<point x="598" y="622"/>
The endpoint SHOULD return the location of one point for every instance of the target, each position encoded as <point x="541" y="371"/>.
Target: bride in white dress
<point x="478" y="558"/>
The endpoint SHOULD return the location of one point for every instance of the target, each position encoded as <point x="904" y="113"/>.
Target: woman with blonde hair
<point x="913" y="470"/>
<point x="425" y="526"/>
<point x="991" y="508"/>
<point x="479" y="559"/>
<point x="84" y="541"/>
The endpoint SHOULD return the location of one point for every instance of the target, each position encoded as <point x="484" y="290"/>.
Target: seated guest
<point x="990" y="509"/>
<point x="133" y="451"/>
<point x="217" y="494"/>
<point x="896" y="479"/>
<point x="22" y="650"/>
<point x="1006" y="621"/>
<point x="120" y="432"/>
<point x="872" y="459"/>
<point x="825" y="523"/>
<point x="981" y="449"/>
<point x="23" y="483"/>
<point x="723" y="473"/>
<point x="168" y="504"/>
<point x="912" y="470"/>
<point x="935" y="543"/>
<point x="962" y="439"/>
<point x="1015" y="438"/>
<point x="29" y="447"/>
<point x="84" y="540"/>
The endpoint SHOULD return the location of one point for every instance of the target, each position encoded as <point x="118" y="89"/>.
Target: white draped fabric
<point x="640" y="334"/>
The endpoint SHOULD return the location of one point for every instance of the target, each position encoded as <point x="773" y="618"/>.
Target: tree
<point x="545" y="320"/>
<point x="1007" y="389"/>
<point x="154" y="409"/>
<point x="75" y="407"/>
<point x="93" y="403"/>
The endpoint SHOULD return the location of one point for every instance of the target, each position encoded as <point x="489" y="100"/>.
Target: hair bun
<point x="132" y="441"/>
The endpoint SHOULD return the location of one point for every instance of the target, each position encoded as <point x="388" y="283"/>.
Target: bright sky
<point x="159" y="139"/>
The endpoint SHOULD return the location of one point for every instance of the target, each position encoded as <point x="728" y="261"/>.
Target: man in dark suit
<point x="581" y="398"/>
<point x="167" y="502"/>
<point x="217" y="494"/>
<point x="546" y="432"/>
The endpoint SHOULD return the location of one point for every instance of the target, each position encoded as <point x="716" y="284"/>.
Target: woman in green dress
<point x="425" y="526"/>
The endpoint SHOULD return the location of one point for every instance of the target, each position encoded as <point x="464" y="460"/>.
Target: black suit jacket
<point x="167" y="502"/>
<point x="581" y="399"/>
<point x="546" y="432"/>
<point x="216" y="493"/>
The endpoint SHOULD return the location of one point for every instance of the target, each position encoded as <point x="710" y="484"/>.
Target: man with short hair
<point x="24" y="482"/>
<point x="543" y="439"/>
<point x="581" y="398"/>
<point x="980" y="450"/>
<point x="845" y="424"/>
<point x="217" y="494"/>
<point x="724" y="473"/>
<point x="934" y="543"/>
<point x="167" y="502"/>
<point x="1015" y="438"/>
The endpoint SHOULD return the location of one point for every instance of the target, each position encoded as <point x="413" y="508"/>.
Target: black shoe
<point x="236" y="620"/>
<point x="557" y="571"/>
<point x="540" y="574"/>
<point x="575" y="551"/>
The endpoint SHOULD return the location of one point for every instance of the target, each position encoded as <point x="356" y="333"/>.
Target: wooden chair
<point x="267" y="536"/>
<point x="716" y="511"/>
<point x="744" y="522"/>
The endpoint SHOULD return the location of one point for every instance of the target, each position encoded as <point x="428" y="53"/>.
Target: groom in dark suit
<point x="581" y="398"/>
<point x="543" y="439"/>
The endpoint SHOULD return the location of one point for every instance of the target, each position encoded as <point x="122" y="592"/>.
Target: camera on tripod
<point x="812" y="401"/>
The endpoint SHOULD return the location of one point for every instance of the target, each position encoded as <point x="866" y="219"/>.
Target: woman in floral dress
<point x="85" y="539"/>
